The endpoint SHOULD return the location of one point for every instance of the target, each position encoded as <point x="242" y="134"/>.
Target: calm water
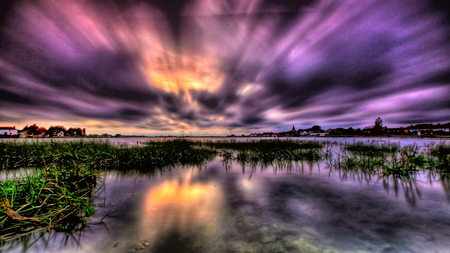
<point x="137" y="141"/>
<point x="301" y="207"/>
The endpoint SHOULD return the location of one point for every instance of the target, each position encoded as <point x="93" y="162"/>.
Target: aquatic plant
<point x="34" y="201"/>
<point x="102" y="154"/>
<point x="264" y="144"/>
<point x="442" y="152"/>
<point x="372" y="149"/>
<point x="52" y="198"/>
<point x="266" y="152"/>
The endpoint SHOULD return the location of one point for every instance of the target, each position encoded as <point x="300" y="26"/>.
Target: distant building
<point x="397" y="130"/>
<point x="421" y="130"/>
<point x="375" y="130"/>
<point x="429" y="129"/>
<point x="8" y="131"/>
<point x="58" y="133"/>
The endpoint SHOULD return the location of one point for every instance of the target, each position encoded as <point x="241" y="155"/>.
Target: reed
<point x="372" y="149"/>
<point x="52" y="198"/>
<point x="442" y="153"/>
<point x="58" y="193"/>
<point x="267" y="151"/>
<point x="266" y="145"/>
<point x="102" y="154"/>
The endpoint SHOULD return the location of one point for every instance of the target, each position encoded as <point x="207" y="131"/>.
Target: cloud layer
<point x="221" y="65"/>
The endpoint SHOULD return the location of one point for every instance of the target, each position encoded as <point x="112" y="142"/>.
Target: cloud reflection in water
<point x="182" y="206"/>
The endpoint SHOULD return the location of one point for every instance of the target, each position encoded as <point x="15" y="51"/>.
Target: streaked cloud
<point x="212" y="66"/>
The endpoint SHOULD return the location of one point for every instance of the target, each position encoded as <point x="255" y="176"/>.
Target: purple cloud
<point x="229" y="65"/>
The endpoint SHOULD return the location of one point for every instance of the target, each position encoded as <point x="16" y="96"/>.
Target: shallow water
<point x="139" y="140"/>
<point x="304" y="207"/>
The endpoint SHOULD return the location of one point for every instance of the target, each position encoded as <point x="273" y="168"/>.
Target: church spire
<point x="293" y="128"/>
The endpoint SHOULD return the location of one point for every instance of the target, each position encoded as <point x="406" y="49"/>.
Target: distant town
<point x="422" y="130"/>
<point x="36" y="131"/>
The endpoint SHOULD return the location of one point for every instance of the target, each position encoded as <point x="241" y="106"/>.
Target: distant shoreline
<point x="208" y="136"/>
<point x="255" y="137"/>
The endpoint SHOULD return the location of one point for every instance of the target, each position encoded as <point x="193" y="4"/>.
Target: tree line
<point x="35" y="130"/>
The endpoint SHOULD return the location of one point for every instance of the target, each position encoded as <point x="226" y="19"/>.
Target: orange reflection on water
<point x="173" y="191"/>
<point x="182" y="205"/>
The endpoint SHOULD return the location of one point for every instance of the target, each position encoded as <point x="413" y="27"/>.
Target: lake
<point x="232" y="207"/>
<point x="138" y="140"/>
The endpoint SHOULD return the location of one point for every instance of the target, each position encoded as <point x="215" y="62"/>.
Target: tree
<point x="378" y="123"/>
<point x="32" y="130"/>
<point x="76" y="131"/>
<point x="316" y="128"/>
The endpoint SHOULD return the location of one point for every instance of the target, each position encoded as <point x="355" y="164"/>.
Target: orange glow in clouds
<point x="173" y="72"/>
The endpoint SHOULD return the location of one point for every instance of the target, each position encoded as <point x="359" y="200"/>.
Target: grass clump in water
<point x="57" y="195"/>
<point x="268" y="151"/>
<point x="442" y="152"/>
<point x="372" y="149"/>
<point x="103" y="155"/>
<point x="265" y="145"/>
<point x="52" y="198"/>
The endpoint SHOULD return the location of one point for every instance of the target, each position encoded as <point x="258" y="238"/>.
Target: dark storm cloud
<point x="241" y="64"/>
<point x="6" y="96"/>
<point x="216" y="102"/>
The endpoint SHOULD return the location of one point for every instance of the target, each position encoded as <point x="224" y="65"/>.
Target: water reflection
<point x="181" y="206"/>
<point x="303" y="207"/>
<point x="344" y="202"/>
<point x="407" y="184"/>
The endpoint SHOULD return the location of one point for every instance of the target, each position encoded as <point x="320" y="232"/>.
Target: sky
<point x="215" y="67"/>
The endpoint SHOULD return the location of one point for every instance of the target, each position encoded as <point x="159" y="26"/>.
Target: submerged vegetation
<point x="56" y="192"/>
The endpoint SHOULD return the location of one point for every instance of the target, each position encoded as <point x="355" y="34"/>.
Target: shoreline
<point x="208" y="136"/>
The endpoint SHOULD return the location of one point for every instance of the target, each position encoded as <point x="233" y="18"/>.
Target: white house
<point x="8" y="131"/>
<point x="58" y="133"/>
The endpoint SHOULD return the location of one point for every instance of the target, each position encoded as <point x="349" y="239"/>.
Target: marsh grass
<point x="57" y="195"/>
<point x="387" y="158"/>
<point x="52" y="198"/>
<point x="267" y="151"/>
<point x="442" y="153"/>
<point x="372" y="149"/>
<point x="102" y="154"/>
<point x="397" y="167"/>
<point x="265" y="145"/>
